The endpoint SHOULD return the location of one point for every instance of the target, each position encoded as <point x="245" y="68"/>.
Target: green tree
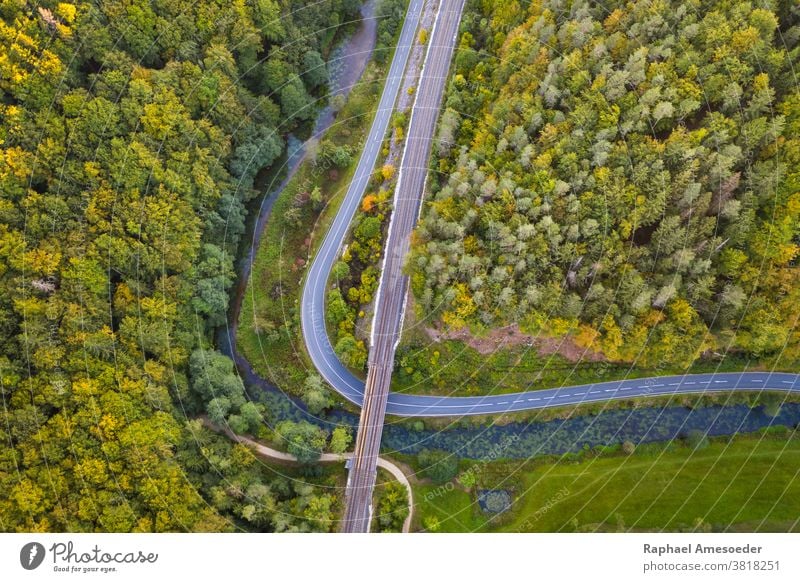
<point x="295" y="102"/>
<point x="119" y="225"/>
<point x="218" y="409"/>
<point x="316" y="395"/>
<point x="771" y="402"/>
<point x="368" y="229"/>
<point x="341" y="437"/>
<point x="340" y="270"/>
<point x="351" y="351"/>
<point x="214" y="276"/>
<point x="392" y="507"/>
<point x="640" y="224"/>
<point x="258" y="147"/>
<point x="251" y="414"/>
<point x="315" y="72"/>
<point x="302" y="439"/>
<point x="213" y="376"/>
<point x="437" y="465"/>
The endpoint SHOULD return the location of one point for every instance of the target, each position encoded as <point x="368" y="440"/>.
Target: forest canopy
<point x="131" y="133"/>
<point x="625" y="173"/>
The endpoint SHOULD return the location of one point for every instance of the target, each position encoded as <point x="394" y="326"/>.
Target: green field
<point x="749" y="484"/>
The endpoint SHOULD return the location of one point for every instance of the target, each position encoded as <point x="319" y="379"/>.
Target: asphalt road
<point x="373" y="395"/>
<point x="352" y="388"/>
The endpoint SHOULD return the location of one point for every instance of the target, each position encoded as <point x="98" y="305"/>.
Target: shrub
<point x="438" y="466"/>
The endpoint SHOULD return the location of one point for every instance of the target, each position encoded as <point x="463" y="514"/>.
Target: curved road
<point x="352" y="388"/>
<point x="313" y="303"/>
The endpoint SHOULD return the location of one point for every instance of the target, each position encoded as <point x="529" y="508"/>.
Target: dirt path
<point x="277" y="455"/>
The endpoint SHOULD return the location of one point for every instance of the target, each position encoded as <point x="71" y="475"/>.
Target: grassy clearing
<point x="747" y="484"/>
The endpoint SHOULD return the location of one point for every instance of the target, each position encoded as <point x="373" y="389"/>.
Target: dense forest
<point x="626" y="173"/>
<point x="131" y="134"/>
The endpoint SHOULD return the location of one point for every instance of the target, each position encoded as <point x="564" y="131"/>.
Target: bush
<point x="340" y="439"/>
<point x="436" y="465"/>
<point x="697" y="440"/>
<point x="771" y="403"/>
<point x="302" y="439"/>
<point x="392" y="507"/>
<point x="340" y="270"/>
<point x="467" y="479"/>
